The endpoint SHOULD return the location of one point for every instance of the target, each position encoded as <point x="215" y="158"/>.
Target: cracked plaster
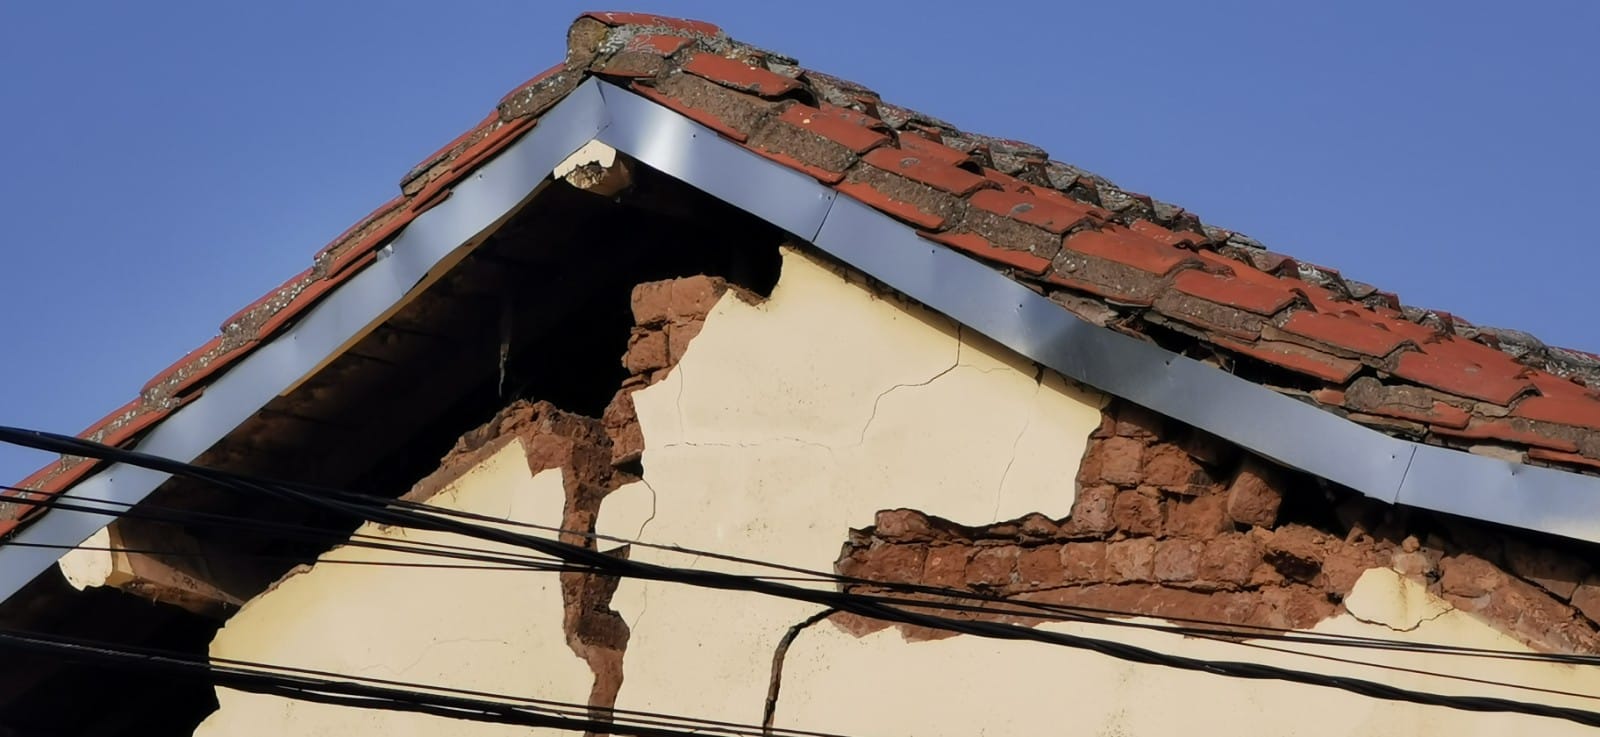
<point x="785" y="424"/>
<point x="788" y="422"/>
<point x="498" y="631"/>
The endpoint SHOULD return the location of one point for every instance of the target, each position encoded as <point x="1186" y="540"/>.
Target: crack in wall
<point x="779" y="653"/>
<point x="861" y="437"/>
<point x="1445" y="608"/>
<point x="1011" y="459"/>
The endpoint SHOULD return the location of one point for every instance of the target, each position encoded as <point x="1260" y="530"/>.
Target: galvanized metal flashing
<point x="1257" y="418"/>
<point x="345" y="314"/>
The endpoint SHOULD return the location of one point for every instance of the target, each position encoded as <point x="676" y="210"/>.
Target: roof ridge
<point x="1115" y="257"/>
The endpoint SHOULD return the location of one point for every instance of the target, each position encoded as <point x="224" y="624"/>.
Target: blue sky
<point x="167" y="163"/>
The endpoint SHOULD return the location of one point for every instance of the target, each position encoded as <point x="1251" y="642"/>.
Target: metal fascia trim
<point x="479" y="201"/>
<point x="693" y="153"/>
<point x="1259" y="419"/>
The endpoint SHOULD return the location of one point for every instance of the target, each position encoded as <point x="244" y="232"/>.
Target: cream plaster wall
<point x="785" y="424"/>
<point x="790" y="421"/>
<point x="494" y="631"/>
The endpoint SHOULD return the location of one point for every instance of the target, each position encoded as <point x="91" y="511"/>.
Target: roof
<point x="1118" y="259"/>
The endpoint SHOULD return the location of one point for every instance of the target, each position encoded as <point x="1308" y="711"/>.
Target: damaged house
<point x="682" y="302"/>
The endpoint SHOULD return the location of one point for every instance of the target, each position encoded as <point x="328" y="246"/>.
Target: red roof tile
<point x="934" y="172"/>
<point x="739" y="75"/>
<point x="1055" y="216"/>
<point x="978" y="246"/>
<point x="1262" y="299"/>
<point x="1126" y="247"/>
<point x="1446" y="367"/>
<point x="648" y="20"/>
<point x="836" y="124"/>
<point x="1345" y="330"/>
<point x="1000" y="201"/>
<point x="1560" y="411"/>
<point x="1296" y="357"/>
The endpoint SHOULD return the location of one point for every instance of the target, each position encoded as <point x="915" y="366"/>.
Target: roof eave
<point x="1255" y="417"/>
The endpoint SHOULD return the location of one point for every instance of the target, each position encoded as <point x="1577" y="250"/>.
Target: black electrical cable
<point x="380" y="510"/>
<point x="1056" y="612"/>
<point x="367" y="692"/>
<point x="1206" y="628"/>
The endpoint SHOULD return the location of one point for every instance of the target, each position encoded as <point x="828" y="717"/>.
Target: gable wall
<point x="782" y="427"/>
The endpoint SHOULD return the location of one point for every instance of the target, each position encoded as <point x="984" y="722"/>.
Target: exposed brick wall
<point x="667" y="315"/>
<point x="1169" y="521"/>
<point x="579" y="446"/>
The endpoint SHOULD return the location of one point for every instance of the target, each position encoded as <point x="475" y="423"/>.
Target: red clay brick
<point x="1131" y="561"/>
<point x="1200" y="516"/>
<point x="993" y="566"/>
<point x="1085" y="562"/>
<point x="1137" y="512"/>
<point x="1177" y="561"/>
<point x="1040" y="567"/>
<point x="946" y="566"/>
<point x="1092" y="512"/>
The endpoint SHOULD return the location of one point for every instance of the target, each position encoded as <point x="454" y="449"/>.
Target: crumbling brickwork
<point x="580" y="447"/>
<point x="1171" y="522"/>
<point x="667" y="315"/>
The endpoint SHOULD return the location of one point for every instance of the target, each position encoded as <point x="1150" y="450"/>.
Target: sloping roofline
<point x="460" y="194"/>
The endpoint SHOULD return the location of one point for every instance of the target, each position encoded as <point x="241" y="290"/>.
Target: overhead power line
<point x="387" y="511"/>
<point x="387" y="694"/>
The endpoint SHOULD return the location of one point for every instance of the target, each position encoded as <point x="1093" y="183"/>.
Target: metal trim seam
<point x="1257" y="418"/>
